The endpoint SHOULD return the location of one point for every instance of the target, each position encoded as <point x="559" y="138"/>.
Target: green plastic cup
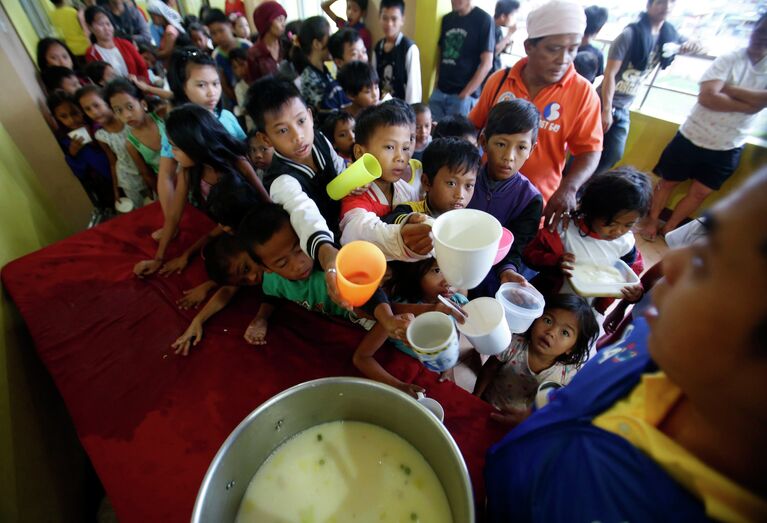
<point x="360" y="173"/>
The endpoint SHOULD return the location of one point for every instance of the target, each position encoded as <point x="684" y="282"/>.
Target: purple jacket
<point x="518" y="205"/>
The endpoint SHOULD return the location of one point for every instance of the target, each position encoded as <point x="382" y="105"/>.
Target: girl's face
<point x="554" y="333"/>
<point x="433" y="284"/>
<point x="129" y="110"/>
<point x="259" y="153"/>
<point x="96" y="108"/>
<point x="200" y="40"/>
<point x="102" y="28"/>
<point x="321" y="48"/>
<point x="203" y="86"/>
<point x="57" y="55"/>
<point x="241" y="28"/>
<point x="353" y="13"/>
<point x="621" y="223"/>
<point x="181" y="157"/>
<point x="343" y="136"/>
<point x="109" y="75"/>
<point x="278" y="26"/>
<point x="240" y="68"/>
<point x="69" y="115"/>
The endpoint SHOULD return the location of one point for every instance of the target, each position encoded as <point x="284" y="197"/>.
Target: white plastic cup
<point x="486" y="326"/>
<point x="465" y="245"/>
<point x="433" y="338"/>
<point x="432" y="406"/>
<point x="124" y="205"/>
<point x="522" y="305"/>
<point x="544" y="391"/>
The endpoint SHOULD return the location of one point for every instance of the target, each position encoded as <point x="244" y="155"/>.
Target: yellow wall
<point x="649" y="136"/>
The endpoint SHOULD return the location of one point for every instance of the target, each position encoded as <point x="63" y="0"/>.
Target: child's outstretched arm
<point x="328" y="11"/>
<point x="365" y="362"/>
<point x="487" y="375"/>
<point x="112" y="167"/>
<point x="193" y="297"/>
<point x="193" y="334"/>
<point x="180" y="262"/>
<point x="247" y="171"/>
<point x="255" y="334"/>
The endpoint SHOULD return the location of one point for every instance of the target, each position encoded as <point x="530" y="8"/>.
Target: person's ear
<point x="264" y="138"/>
<point x="358" y="151"/>
<point x="228" y="230"/>
<point x="528" y="46"/>
<point x="425" y="182"/>
<point x="483" y="141"/>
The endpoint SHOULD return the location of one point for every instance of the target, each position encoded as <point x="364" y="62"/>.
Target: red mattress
<point x="152" y="421"/>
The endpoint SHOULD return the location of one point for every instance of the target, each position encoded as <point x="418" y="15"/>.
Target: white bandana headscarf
<point x="555" y="18"/>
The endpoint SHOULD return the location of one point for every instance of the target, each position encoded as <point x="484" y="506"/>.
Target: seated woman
<point x="671" y="421"/>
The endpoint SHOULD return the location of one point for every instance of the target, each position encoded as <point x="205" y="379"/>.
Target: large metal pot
<point x="320" y="401"/>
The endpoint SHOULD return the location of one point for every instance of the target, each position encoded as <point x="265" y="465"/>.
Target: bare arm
<point x="244" y="167"/>
<point x="193" y="333"/>
<point x="608" y="91"/>
<point x="112" y="167"/>
<point x="501" y="44"/>
<point x="180" y="262"/>
<point x="563" y="199"/>
<point x="485" y="63"/>
<point x="365" y="362"/>
<point x="487" y="374"/>
<point x="167" y="44"/>
<point x="146" y="173"/>
<point x="328" y="11"/>
<point x="756" y="98"/>
<point x="712" y="97"/>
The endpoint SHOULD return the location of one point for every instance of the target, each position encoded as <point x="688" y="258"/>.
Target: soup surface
<point x="345" y="471"/>
<point x="592" y="273"/>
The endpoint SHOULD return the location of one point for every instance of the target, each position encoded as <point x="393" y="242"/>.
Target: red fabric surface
<point x="151" y="421"/>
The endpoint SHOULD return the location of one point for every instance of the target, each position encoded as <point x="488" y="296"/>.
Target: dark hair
<point x="405" y="282"/>
<point x="268" y="95"/>
<point x="339" y="39"/>
<point x="312" y="28"/>
<point x="606" y="194"/>
<point x="57" y="98"/>
<point x="42" y="49"/>
<point x="512" y="117"/>
<point x="454" y="125"/>
<point x="389" y="4"/>
<point x="95" y="70"/>
<point x="217" y="254"/>
<point x="505" y="7"/>
<point x="356" y="76"/>
<point x="147" y="48"/>
<point x="363" y="4"/>
<point x="199" y="134"/>
<point x="596" y="17"/>
<point x="90" y="16"/>
<point x="404" y="107"/>
<point x="178" y="69"/>
<point x="372" y="118"/>
<point x="238" y="53"/>
<point x="216" y="16"/>
<point x="586" y="64"/>
<point x="54" y="75"/>
<point x="420" y="108"/>
<point x="328" y="127"/>
<point x="196" y="26"/>
<point x="588" y="328"/>
<point x="260" y="225"/>
<point x="454" y="153"/>
<point x="89" y="89"/>
<point x="231" y="200"/>
<point x="122" y="85"/>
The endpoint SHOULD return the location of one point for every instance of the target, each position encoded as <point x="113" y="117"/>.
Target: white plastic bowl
<point x="522" y="304"/>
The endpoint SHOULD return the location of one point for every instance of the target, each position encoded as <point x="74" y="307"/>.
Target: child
<point x="423" y="128"/>
<point x="222" y="34"/>
<point x="396" y="57"/>
<point x="269" y="51"/>
<point x="449" y="176"/>
<point x="169" y="20"/>
<point x="100" y="72"/>
<point x="503" y="191"/>
<point x="239" y="59"/>
<point x="242" y="28"/>
<point x="551" y="351"/>
<point x="146" y="130"/>
<point x="304" y="162"/>
<point x="599" y="231"/>
<point x="87" y="160"/>
<point x="385" y="132"/>
<point x="360" y="84"/>
<point x="112" y="136"/>
<point x="355" y="13"/>
<point x="60" y="78"/>
<point x="345" y="46"/>
<point x="313" y="51"/>
<point x="418" y="282"/>
<point x="456" y="125"/>
<point x="338" y="127"/>
<point x="156" y="71"/>
<point x="199" y="36"/>
<point x="259" y="153"/>
<point x="595" y="19"/>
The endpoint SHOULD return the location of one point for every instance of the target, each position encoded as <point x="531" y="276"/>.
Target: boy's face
<point x="353" y="12"/>
<point x="290" y="130"/>
<point x="367" y="97"/>
<point x="240" y="68"/>
<point x="243" y="270"/>
<point x="260" y="153"/>
<point x="621" y="223"/>
<point x="199" y="39"/>
<point x="506" y="153"/>
<point x="343" y="136"/>
<point x="70" y="85"/>
<point x="451" y="189"/>
<point x="109" y="75"/>
<point x="355" y="52"/>
<point x="391" y="21"/>
<point x="69" y="115"/>
<point x="221" y="33"/>
<point x="423" y="125"/>
<point x="282" y="255"/>
<point x="392" y="148"/>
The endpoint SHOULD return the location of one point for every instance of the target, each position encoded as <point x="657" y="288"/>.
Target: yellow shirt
<point x="636" y="418"/>
<point x="66" y="22"/>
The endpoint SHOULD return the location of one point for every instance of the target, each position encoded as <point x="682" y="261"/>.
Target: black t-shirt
<point x="461" y="41"/>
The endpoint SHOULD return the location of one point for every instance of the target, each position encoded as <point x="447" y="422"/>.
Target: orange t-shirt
<point x="570" y="118"/>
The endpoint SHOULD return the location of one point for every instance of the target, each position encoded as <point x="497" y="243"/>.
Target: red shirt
<point x="133" y="60"/>
<point x="261" y="62"/>
<point x="570" y="119"/>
